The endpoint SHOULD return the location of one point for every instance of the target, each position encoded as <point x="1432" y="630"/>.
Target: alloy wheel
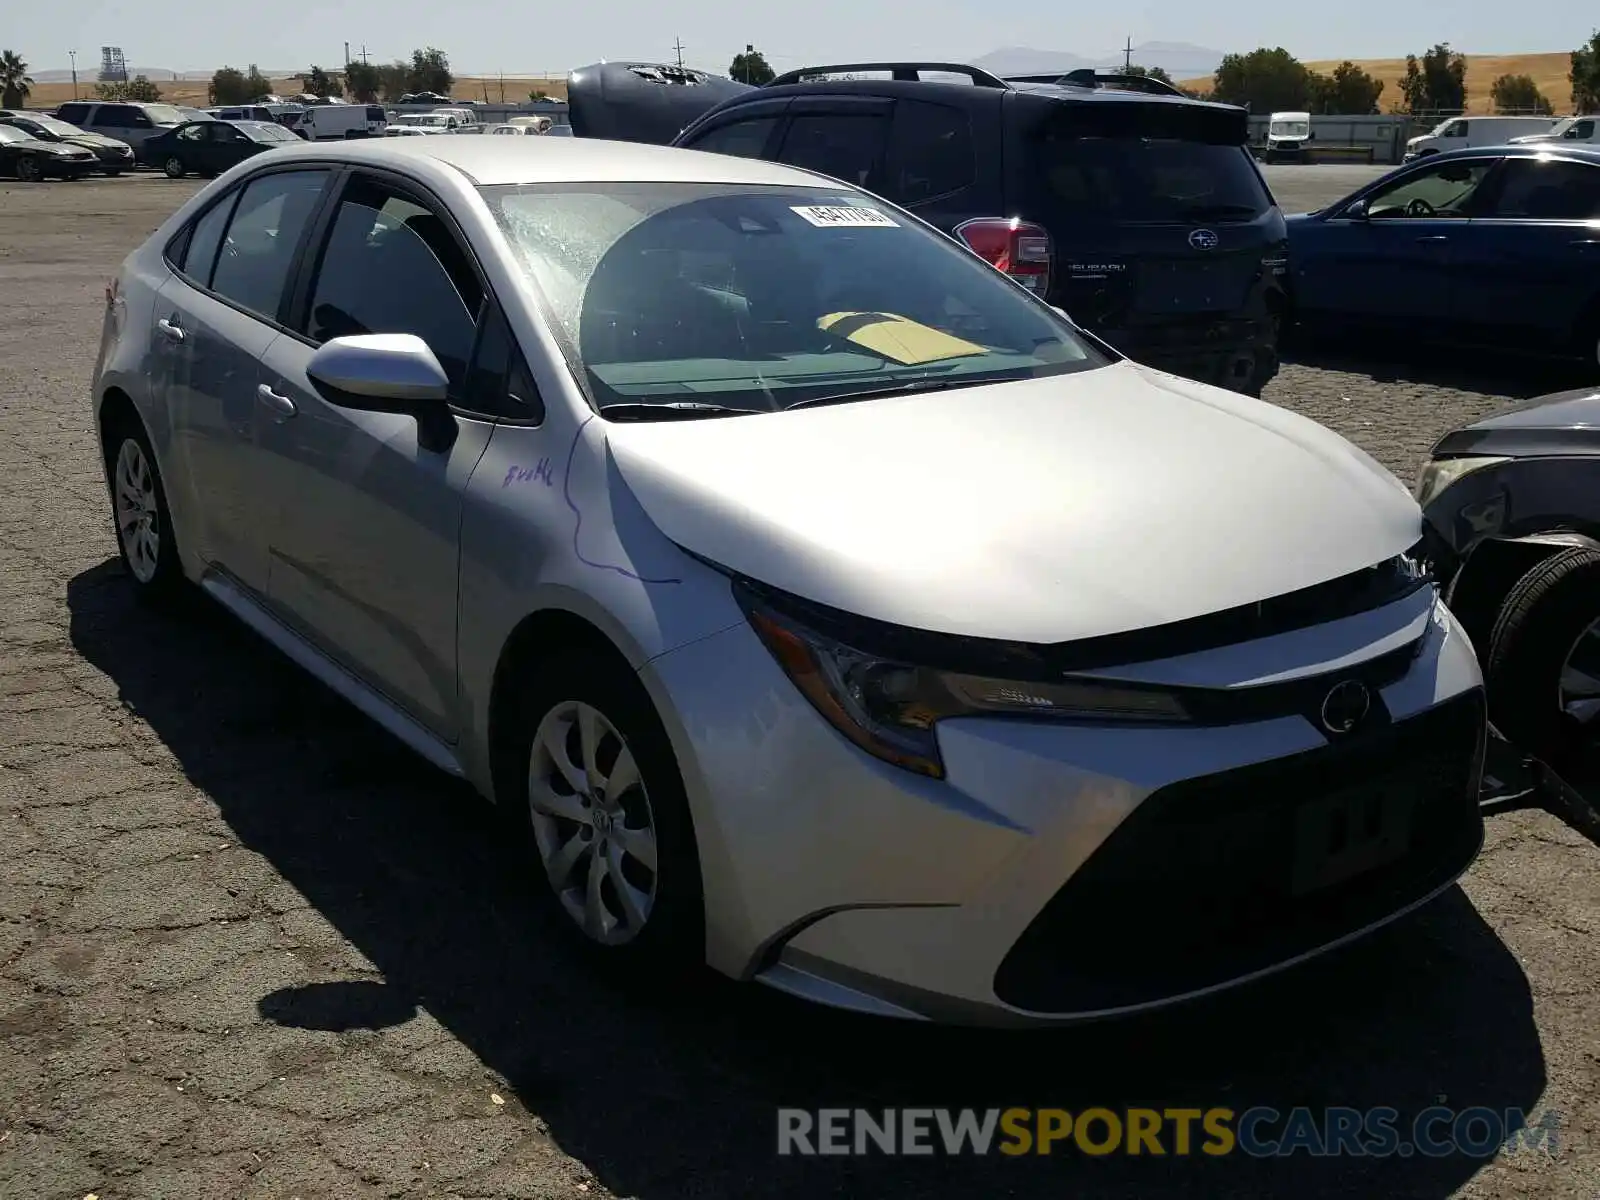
<point x="174" y="168"/>
<point x="138" y="511"/>
<point x="1579" y="692"/>
<point x="592" y="822"/>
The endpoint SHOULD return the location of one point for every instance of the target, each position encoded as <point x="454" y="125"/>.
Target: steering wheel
<point x="1418" y="207"/>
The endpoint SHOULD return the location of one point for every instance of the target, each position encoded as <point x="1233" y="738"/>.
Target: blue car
<point x="1497" y="246"/>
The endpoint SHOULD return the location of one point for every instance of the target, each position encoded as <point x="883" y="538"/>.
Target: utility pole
<point x="73" y="55"/>
<point x="347" y="54"/>
<point x="1127" y="54"/>
<point x="677" y="45"/>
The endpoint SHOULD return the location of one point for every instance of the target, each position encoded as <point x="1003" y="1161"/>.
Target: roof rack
<point x="904" y="72"/>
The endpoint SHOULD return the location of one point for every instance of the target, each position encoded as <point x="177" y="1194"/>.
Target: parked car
<point x="1137" y="210"/>
<point x="243" y="112"/>
<point x="1570" y="129"/>
<point x="211" y="147"/>
<point x="1496" y="247"/>
<point x="1514" y="500"/>
<point x="465" y="120"/>
<point x="127" y="122"/>
<point x="31" y="160"/>
<point x="114" y="156"/>
<point x="1470" y="133"/>
<point x="555" y="464"/>
<point x="422" y="123"/>
<point x="1289" y="136"/>
<point x="424" y="98"/>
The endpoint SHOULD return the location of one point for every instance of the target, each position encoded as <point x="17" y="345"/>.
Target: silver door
<point x="365" y="536"/>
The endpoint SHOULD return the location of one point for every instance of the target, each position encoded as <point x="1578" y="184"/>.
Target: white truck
<point x="1583" y="130"/>
<point x="1287" y="135"/>
<point x="462" y="120"/>
<point x="333" y="122"/>
<point x="1468" y="133"/>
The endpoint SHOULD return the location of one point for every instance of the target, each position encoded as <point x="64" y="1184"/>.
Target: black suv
<point x="1135" y="209"/>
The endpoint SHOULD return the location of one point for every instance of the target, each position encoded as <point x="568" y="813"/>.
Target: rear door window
<point x="262" y="239"/>
<point x="847" y="146"/>
<point x="931" y="153"/>
<point x="115" y="116"/>
<point x="200" y="255"/>
<point x="73" y="114"/>
<point x="1129" y="166"/>
<point x="1531" y="190"/>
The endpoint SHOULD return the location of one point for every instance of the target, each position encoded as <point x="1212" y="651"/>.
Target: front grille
<point x="1203" y="882"/>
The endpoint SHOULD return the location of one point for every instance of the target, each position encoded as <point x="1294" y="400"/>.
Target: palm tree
<point x="15" y="83"/>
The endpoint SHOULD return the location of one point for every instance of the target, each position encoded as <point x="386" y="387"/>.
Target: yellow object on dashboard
<point x="895" y="337"/>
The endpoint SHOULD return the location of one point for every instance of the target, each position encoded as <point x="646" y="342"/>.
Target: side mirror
<point x="385" y="372"/>
<point x="1359" y="211"/>
<point x="1061" y="312"/>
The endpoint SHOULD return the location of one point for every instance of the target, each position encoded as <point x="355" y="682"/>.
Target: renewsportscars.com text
<point x="1259" y="1132"/>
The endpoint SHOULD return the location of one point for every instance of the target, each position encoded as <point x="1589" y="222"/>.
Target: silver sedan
<point x="835" y="611"/>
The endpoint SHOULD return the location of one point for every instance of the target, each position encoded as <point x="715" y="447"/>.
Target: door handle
<point x="169" y="330"/>
<point x="281" y="405"/>
<point x="1436" y="237"/>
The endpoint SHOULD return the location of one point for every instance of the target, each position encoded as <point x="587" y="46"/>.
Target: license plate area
<point x="1350" y="833"/>
<point x="1166" y="287"/>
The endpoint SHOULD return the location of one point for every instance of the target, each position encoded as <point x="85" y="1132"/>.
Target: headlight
<point x="889" y="707"/>
<point x="1441" y="473"/>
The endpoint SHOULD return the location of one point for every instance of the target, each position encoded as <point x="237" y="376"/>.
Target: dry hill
<point x="1549" y="73"/>
<point x="193" y="91"/>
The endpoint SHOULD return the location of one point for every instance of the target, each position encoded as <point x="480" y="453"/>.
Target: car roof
<point x="1525" y="150"/>
<point x="490" y="161"/>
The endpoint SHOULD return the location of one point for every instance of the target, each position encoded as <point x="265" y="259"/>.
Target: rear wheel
<point x="173" y="166"/>
<point x="1543" y="674"/>
<point x="139" y="510"/>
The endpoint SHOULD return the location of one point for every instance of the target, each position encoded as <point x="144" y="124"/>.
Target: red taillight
<point x="1019" y="248"/>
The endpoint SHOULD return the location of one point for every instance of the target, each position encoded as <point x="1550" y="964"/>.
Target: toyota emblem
<point x="1346" y="706"/>
<point x="1203" y="239"/>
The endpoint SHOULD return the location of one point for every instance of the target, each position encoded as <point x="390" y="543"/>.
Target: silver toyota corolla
<point x="837" y="612"/>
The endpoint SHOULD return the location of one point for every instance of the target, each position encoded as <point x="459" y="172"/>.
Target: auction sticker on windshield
<point x="844" y="217"/>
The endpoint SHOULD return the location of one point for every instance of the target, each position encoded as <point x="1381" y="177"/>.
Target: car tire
<point x="29" y="171"/>
<point x="173" y="167"/>
<point x="1546" y="618"/>
<point x="140" y="517"/>
<point x="593" y="846"/>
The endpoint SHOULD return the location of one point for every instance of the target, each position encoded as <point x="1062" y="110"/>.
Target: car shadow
<point x="676" y="1093"/>
<point x="1395" y="361"/>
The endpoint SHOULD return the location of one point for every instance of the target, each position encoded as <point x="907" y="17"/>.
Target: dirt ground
<point x="250" y="947"/>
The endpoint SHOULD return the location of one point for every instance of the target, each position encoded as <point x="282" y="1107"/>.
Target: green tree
<point x="229" y="86"/>
<point x="1585" y="76"/>
<point x="1435" y="83"/>
<point x="15" y="82"/>
<point x="1348" y="91"/>
<point x="430" y="72"/>
<point x="538" y="95"/>
<point x="319" y="83"/>
<point x="138" y="90"/>
<point x="394" y="80"/>
<point x="751" y="67"/>
<point x="1263" y="81"/>
<point x="1150" y="73"/>
<point x="1518" y="94"/>
<point x="363" y="81"/>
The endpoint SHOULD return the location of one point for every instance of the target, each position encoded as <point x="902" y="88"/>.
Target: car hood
<point x="36" y="146"/>
<point x="1040" y="511"/>
<point x="92" y="141"/>
<point x="1557" y="423"/>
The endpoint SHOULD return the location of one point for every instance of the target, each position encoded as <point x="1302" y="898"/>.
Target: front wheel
<point x="143" y="521"/>
<point x="609" y="821"/>
<point x="173" y="167"/>
<point x="1543" y="674"/>
<point x="29" y="170"/>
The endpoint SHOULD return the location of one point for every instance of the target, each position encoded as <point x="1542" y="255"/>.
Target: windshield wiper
<point x="671" y="410"/>
<point x="910" y="387"/>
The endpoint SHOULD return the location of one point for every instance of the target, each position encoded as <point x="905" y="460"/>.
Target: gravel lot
<point x="249" y="947"/>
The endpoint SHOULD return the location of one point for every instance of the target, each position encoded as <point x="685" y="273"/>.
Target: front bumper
<point x="1059" y="872"/>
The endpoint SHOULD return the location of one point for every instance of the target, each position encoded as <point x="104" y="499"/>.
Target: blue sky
<point x="483" y="36"/>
